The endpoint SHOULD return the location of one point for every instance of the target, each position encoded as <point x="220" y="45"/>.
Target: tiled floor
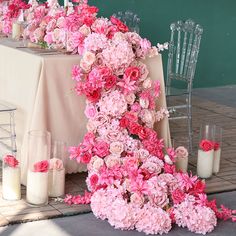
<point x="204" y="110"/>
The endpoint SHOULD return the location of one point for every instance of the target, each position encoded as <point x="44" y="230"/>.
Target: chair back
<point x="183" y="51"/>
<point x="130" y="18"/>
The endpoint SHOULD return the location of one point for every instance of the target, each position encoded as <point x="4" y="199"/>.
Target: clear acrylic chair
<point x="8" y="134"/>
<point x="130" y="18"/>
<point x="182" y="58"/>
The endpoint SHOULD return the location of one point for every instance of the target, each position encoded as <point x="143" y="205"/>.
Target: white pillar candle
<point x="216" y="162"/>
<point x="11" y="188"/>
<point x="205" y="163"/>
<point x="16" y="30"/>
<point x="56" y="183"/>
<point x="37" y="188"/>
<point x="181" y="164"/>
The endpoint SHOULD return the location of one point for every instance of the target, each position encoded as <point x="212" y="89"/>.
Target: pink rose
<point x="89" y="58"/>
<point x="84" y="65"/>
<point x="85" y="30"/>
<point x="206" y="145"/>
<point x="61" y="22"/>
<point x="85" y="157"/>
<point x="121" y="26"/>
<point x="110" y="81"/>
<point x="130" y="98"/>
<point x="147" y="83"/>
<point x="101" y="149"/>
<point x="116" y="148"/>
<point x="90" y="111"/>
<point x="93" y="96"/>
<point x="178" y="196"/>
<point x="41" y="166"/>
<point x="112" y="160"/>
<point x="181" y="152"/>
<point x="11" y="161"/>
<point x="93" y="180"/>
<point x="55" y="164"/>
<point x="98" y="163"/>
<point x="133" y="73"/>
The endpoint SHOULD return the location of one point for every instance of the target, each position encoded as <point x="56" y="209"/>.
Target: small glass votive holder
<point x="181" y="161"/>
<point x="57" y="169"/>
<point x="217" y="149"/>
<point x="11" y="177"/>
<point x="38" y="165"/>
<point x="206" y="151"/>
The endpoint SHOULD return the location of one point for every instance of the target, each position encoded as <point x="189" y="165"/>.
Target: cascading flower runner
<point x="131" y="175"/>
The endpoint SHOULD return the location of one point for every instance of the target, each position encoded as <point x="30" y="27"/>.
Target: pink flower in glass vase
<point x="41" y="166"/>
<point x="206" y="145"/>
<point x="55" y="164"/>
<point x="181" y="152"/>
<point x="216" y="146"/>
<point x="101" y="149"/>
<point x="11" y="161"/>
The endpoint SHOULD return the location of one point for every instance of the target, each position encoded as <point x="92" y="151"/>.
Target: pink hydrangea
<point x="153" y="220"/>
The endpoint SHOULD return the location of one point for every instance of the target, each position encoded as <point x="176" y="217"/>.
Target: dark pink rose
<point x="11" y="161"/>
<point x="121" y="26"/>
<point x="85" y="157"/>
<point x="101" y="149"/>
<point x="133" y="73"/>
<point x="110" y="81"/>
<point x="93" y="96"/>
<point x="93" y="181"/>
<point x="206" y="145"/>
<point x="41" y="166"/>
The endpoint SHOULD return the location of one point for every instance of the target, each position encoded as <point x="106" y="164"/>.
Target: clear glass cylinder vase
<point x="39" y="146"/>
<point x="11" y="177"/>
<point x="217" y="149"/>
<point x="205" y="151"/>
<point x="57" y="169"/>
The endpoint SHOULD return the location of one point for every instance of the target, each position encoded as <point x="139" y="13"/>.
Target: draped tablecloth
<point x="41" y="87"/>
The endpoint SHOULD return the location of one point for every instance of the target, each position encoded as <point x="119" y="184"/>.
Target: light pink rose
<point x="91" y="126"/>
<point x="147" y="83"/>
<point x="55" y="164"/>
<point x="181" y="152"/>
<point x="85" y="66"/>
<point x="142" y="154"/>
<point x="89" y="58"/>
<point x="98" y="163"/>
<point x="116" y="148"/>
<point x="61" y="22"/>
<point x="38" y="34"/>
<point x="90" y="111"/>
<point x="85" y="30"/>
<point x="112" y="160"/>
<point x="148" y="116"/>
<point x="130" y="98"/>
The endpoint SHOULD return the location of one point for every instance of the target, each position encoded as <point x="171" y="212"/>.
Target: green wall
<point x="216" y="64"/>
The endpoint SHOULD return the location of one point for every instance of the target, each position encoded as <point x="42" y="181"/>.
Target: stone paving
<point x="203" y="111"/>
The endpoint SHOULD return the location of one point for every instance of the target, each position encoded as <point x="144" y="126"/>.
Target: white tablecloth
<point x="41" y="88"/>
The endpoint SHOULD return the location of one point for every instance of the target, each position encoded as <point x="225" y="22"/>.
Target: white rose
<point x="168" y="160"/>
<point x="85" y="66"/>
<point x="112" y="160"/>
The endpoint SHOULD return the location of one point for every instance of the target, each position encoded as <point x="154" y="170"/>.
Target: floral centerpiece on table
<point x="9" y="12"/>
<point x="131" y="175"/>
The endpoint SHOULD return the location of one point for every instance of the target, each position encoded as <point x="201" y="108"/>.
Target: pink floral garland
<point x="131" y="176"/>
